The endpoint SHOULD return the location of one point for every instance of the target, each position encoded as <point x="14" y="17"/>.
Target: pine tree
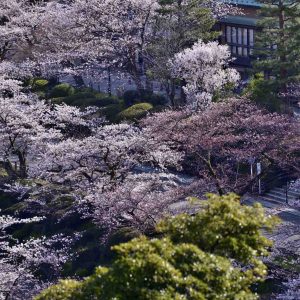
<point x="278" y="42"/>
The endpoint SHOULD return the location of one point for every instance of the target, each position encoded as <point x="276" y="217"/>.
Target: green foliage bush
<point x="123" y="235"/>
<point x="135" y="112"/>
<point x="3" y="173"/>
<point x="111" y="112"/>
<point x="84" y="102"/>
<point x="88" y="97"/>
<point x="106" y="100"/>
<point x="41" y="94"/>
<point x="58" y="100"/>
<point x="157" y="100"/>
<point x="110" y="106"/>
<point x="222" y="227"/>
<point x="79" y="96"/>
<point x="40" y="84"/>
<point x="27" y="82"/>
<point x="132" y="97"/>
<point x="192" y="261"/>
<point x="263" y="92"/>
<point x="157" y="269"/>
<point x="62" y="90"/>
<point x="65" y="290"/>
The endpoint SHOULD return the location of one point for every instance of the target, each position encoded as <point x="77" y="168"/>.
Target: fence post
<point x="286" y="194"/>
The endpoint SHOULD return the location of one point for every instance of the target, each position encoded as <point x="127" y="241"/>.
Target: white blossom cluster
<point x="19" y="261"/>
<point x="204" y="68"/>
<point x="292" y="290"/>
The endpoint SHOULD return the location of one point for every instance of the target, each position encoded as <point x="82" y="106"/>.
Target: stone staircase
<point x="276" y="199"/>
<point x="280" y="196"/>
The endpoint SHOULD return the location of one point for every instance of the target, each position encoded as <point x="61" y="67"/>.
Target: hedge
<point x="132" y="97"/>
<point x="111" y="112"/>
<point x="62" y="90"/>
<point x="136" y="111"/>
<point x="40" y="84"/>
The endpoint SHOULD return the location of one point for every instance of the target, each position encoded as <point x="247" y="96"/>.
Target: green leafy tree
<point x="212" y="255"/>
<point x="263" y="92"/>
<point x="179" y="25"/>
<point x="224" y="227"/>
<point x="278" y="42"/>
<point x="158" y="269"/>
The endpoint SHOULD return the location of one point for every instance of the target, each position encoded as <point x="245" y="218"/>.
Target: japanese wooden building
<point x="238" y="32"/>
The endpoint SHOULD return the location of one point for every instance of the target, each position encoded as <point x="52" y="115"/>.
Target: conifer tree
<point x="278" y="42"/>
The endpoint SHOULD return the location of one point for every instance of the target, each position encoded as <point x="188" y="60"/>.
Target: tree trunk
<point x="172" y="92"/>
<point x="282" y="48"/>
<point x="138" y="82"/>
<point x="3" y="51"/>
<point x="23" y="165"/>
<point x="109" y="88"/>
<point x="79" y="82"/>
<point x="9" y="169"/>
<point x="214" y="175"/>
<point x="182" y="93"/>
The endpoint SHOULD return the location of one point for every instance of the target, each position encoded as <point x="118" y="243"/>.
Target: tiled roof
<point x="240" y="20"/>
<point x="245" y="2"/>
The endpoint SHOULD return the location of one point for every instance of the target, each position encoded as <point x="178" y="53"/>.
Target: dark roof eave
<point x="240" y="20"/>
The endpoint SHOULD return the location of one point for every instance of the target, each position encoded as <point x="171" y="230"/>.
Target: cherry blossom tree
<point x="218" y="143"/>
<point x="115" y="35"/>
<point x="180" y="24"/>
<point x="119" y="174"/>
<point x="204" y="69"/>
<point x="27" y="124"/>
<point x="27" y="28"/>
<point x="293" y="290"/>
<point x="110" y="33"/>
<point x="103" y="156"/>
<point x="138" y="202"/>
<point x="21" y="262"/>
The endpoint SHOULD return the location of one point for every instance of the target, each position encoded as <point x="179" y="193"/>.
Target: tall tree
<point x="27" y="124"/>
<point x="179" y="25"/>
<point x="278" y="42"/>
<point x="25" y="28"/>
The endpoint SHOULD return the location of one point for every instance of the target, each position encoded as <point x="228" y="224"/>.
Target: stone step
<point x="282" y="194"/>
<point x="287" y="214"/>
<point x="280" y="198"/>
<point x="276" y="194"/>
<point x="294" y="192"/>
<point x="273" y="199"/>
